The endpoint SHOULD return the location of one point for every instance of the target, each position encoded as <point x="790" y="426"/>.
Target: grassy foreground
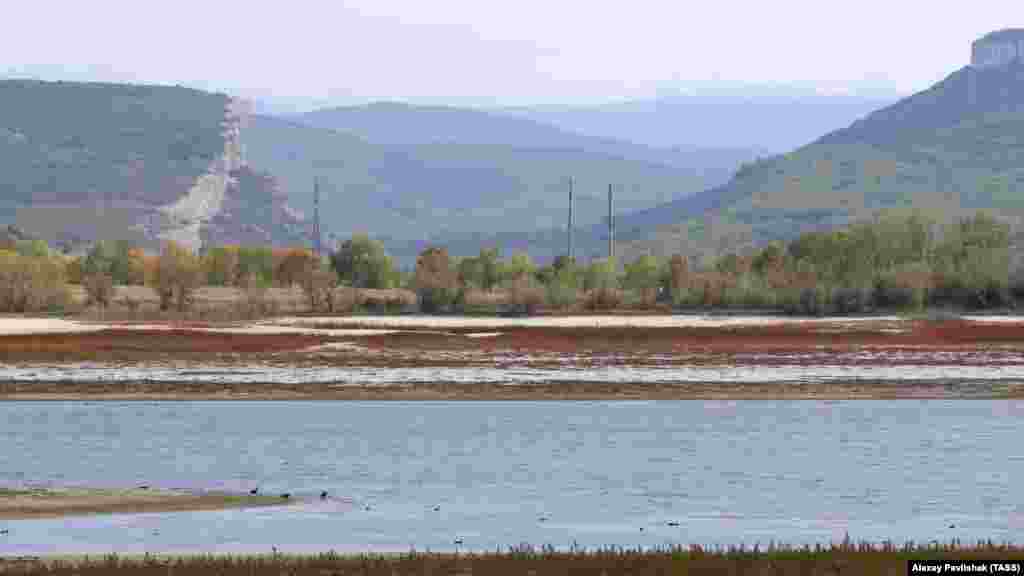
<point x="843" y="558"/>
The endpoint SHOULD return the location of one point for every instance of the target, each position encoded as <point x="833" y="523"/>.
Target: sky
<point x="305" y="53"/>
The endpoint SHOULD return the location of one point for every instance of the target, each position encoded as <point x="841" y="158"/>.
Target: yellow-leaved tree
<point x="178" y="273"/>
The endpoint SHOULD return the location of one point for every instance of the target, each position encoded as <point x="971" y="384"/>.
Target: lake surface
<point x="505" y="473"/>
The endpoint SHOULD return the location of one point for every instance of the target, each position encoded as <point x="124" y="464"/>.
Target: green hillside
<point x="64" y="142"/>
<point x="407" y="194"/>
<point x="952" y="149"/>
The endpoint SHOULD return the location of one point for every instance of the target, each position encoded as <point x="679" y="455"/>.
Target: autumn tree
<point x="178" y="274"/>
<point x="29" y="284"/>
<point x="295" y="267"/>
<point x="435" y="281"/>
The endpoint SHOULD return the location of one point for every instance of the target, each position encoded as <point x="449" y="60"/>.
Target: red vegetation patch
<point x="725" y="340"/>
<point x="140" y="343"/>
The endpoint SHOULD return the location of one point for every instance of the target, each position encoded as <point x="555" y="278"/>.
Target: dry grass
<point x="842" y="558"/>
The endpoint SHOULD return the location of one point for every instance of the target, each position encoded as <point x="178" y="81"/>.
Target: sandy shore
<point x="53" y="503"/>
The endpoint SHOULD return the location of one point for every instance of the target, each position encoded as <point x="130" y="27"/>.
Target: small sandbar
<point x="58" y="502"/>
<point x="19" y="326"/>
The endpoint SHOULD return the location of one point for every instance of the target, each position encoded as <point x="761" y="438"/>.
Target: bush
<point x="604" y="298"/>
<point x="643" y="276"/>
<point x="362" y="263"/>
<point x="525" y="296"/>
<point x="99" y="289"/>
<point x="254" y="297"/>
<point x="320" y="287"/>
<point x="30" y="284"/>
<point x="846" y="300"/>
<point x="178" y="274"/>
<point x="436" y="283"/>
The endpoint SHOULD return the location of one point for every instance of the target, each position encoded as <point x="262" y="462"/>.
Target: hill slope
<point x="86" y="161"/>
<point x="951" y="149"/>
<point x="767" y="120"/>
<point x="407" y="193"/>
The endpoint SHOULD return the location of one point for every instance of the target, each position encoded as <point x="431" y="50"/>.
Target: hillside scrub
<point x="893" y="262"/>
<point x="178" y="274"/>
<point x="32" y="283"/>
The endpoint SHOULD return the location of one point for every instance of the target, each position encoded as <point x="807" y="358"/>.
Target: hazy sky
<point x="511" y="52"/>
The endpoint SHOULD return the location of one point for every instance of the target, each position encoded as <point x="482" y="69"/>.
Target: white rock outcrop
<point x="184" y="219"/>
<point x="998" y="49"/>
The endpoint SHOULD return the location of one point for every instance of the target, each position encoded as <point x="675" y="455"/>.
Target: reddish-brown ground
<point x="132" y="344"/>
<point x="873" y="343"/>
<point x="954" y="335"/>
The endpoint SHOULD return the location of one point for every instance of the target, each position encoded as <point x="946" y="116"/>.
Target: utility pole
<point x="570" y="220"/>
<point x="611" y="226"/>
<point x="316" y="215"/>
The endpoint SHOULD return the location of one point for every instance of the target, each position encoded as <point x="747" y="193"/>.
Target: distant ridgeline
<point x="951" y="149"/>
<point x="87" y="161"/>
<point x="998" y="49"/>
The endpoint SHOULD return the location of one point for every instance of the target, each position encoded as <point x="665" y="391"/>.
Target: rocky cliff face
<point x="998" y="49"/>
<point x="183" y="220"/>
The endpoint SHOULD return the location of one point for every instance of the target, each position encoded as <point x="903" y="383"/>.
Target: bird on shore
<point x="323" y="495"/>
<point x="286" y="495"/>
<point x="144" y="487"/>
<point x="254" y="491"/>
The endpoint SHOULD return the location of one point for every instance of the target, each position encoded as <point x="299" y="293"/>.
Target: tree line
<point x="897" y="260"/>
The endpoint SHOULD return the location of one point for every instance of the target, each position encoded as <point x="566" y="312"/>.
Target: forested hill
<point x="81" y="162"/>
<point x="64" y="142"/>
<point x="951" y="149"/>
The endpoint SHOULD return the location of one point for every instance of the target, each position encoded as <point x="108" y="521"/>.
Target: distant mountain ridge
<point x="951" y="149"/>
<point x="764" y="121"/>
<point x="411" y="175"/>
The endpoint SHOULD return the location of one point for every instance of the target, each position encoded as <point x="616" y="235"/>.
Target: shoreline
<point x="948" y="349"/>
<point x="476" y="392"/>
<point x="39" y="503"/>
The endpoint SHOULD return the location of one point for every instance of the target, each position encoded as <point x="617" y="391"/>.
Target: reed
<point x="845" y="557"/>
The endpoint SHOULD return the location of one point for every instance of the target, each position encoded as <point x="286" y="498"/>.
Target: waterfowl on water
<point x="286" y="495"/>
<point x="437" y="508"/>
<point x="254" y="491"/>
<point x="323" y="495"/>
<point x="458" y="541"/>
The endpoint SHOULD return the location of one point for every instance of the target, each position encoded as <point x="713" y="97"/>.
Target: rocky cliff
<point x="998" y="49"/>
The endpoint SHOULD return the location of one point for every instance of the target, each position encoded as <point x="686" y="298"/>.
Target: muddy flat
<point x="612" y="357"/>
<point x="52" y="503"/>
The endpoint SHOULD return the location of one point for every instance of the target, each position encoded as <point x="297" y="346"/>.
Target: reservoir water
<point x="497" y="474"/>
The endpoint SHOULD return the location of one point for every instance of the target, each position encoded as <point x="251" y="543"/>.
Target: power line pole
<point x="611" y="226"/>
<point x="569" y="254"/>
<point x="316" y="215"/>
